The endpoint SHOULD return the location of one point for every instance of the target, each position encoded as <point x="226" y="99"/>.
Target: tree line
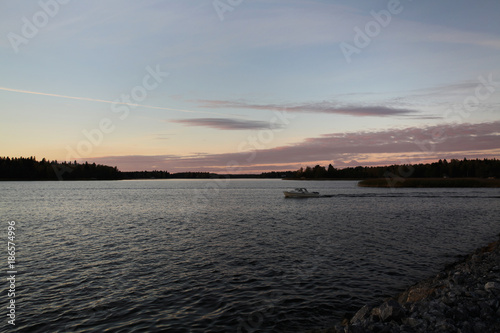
<point x="29" y="168"/>
<point x="475" y="168"/>
<point x="23" y="168"/>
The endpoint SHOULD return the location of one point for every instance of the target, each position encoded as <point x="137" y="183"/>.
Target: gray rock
<point x="466" y="327"/>
<point x="456" y="314"/>
<point x="481" y="294"/>
<point x="479" y="327"/>
<point x="494" y="303"/>
<point x="492" y="286"/>
<point x="473" y="309"/>
<point x="410" y="321"/>
<point x="463" y="298"/>
<point x="363" y="313"/>
<point x="458" y="278"/>
<point x="448" y="300"/>
<point x="357" y="329"/>
<point x="391" y="310"/>
<point x="445" y="326"/>
<point x="429" y="318"/>
<point x="375" y="314"/>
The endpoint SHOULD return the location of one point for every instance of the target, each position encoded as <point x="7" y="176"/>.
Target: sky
<point x="240" y="86"/>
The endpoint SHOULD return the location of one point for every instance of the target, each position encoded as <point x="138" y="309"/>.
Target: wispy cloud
<point x="101" y="100"/>
<point x="315" y="107"/>
<point x="225" y="123"/>
<point x="445" y="35"/>
<point x="456" y="90"/>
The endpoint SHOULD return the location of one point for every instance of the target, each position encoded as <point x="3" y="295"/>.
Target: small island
<point x="456" y="173"/>
<point x="430" y="182"/>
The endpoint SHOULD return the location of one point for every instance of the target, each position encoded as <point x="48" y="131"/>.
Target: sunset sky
<point x="244" y="86"/>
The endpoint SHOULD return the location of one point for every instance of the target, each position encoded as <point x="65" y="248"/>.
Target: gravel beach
<point x="464" y="297"/>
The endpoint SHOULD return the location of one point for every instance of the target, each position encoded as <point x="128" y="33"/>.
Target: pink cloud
<point x="383" y="147"/>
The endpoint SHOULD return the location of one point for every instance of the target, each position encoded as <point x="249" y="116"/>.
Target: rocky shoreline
<point x="464" y="297"/>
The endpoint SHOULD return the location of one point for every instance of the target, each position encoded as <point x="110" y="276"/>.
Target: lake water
<point x="226" y="256"/>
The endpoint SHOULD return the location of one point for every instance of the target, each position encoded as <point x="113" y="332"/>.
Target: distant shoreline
<point x="322" y="179"/>
<point x="23" y="168"/>
<point x="211" y="177"/>
<point x="430" y="182"/>
<point x="415" y="182"/>
<point x="370" y="182"/>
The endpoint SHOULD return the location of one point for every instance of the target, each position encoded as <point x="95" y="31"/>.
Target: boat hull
<point x="300" y="195"/>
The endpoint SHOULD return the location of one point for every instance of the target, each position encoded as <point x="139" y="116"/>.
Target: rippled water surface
<point x="226" y="256"/>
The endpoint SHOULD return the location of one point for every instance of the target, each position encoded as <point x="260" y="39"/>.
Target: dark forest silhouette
<point x="477" y="168"/>
<point x="23" y="168"/>
<point x="28" y="168"/>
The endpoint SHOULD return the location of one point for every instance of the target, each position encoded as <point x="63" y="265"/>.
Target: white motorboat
<point x="300" y="193"/>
